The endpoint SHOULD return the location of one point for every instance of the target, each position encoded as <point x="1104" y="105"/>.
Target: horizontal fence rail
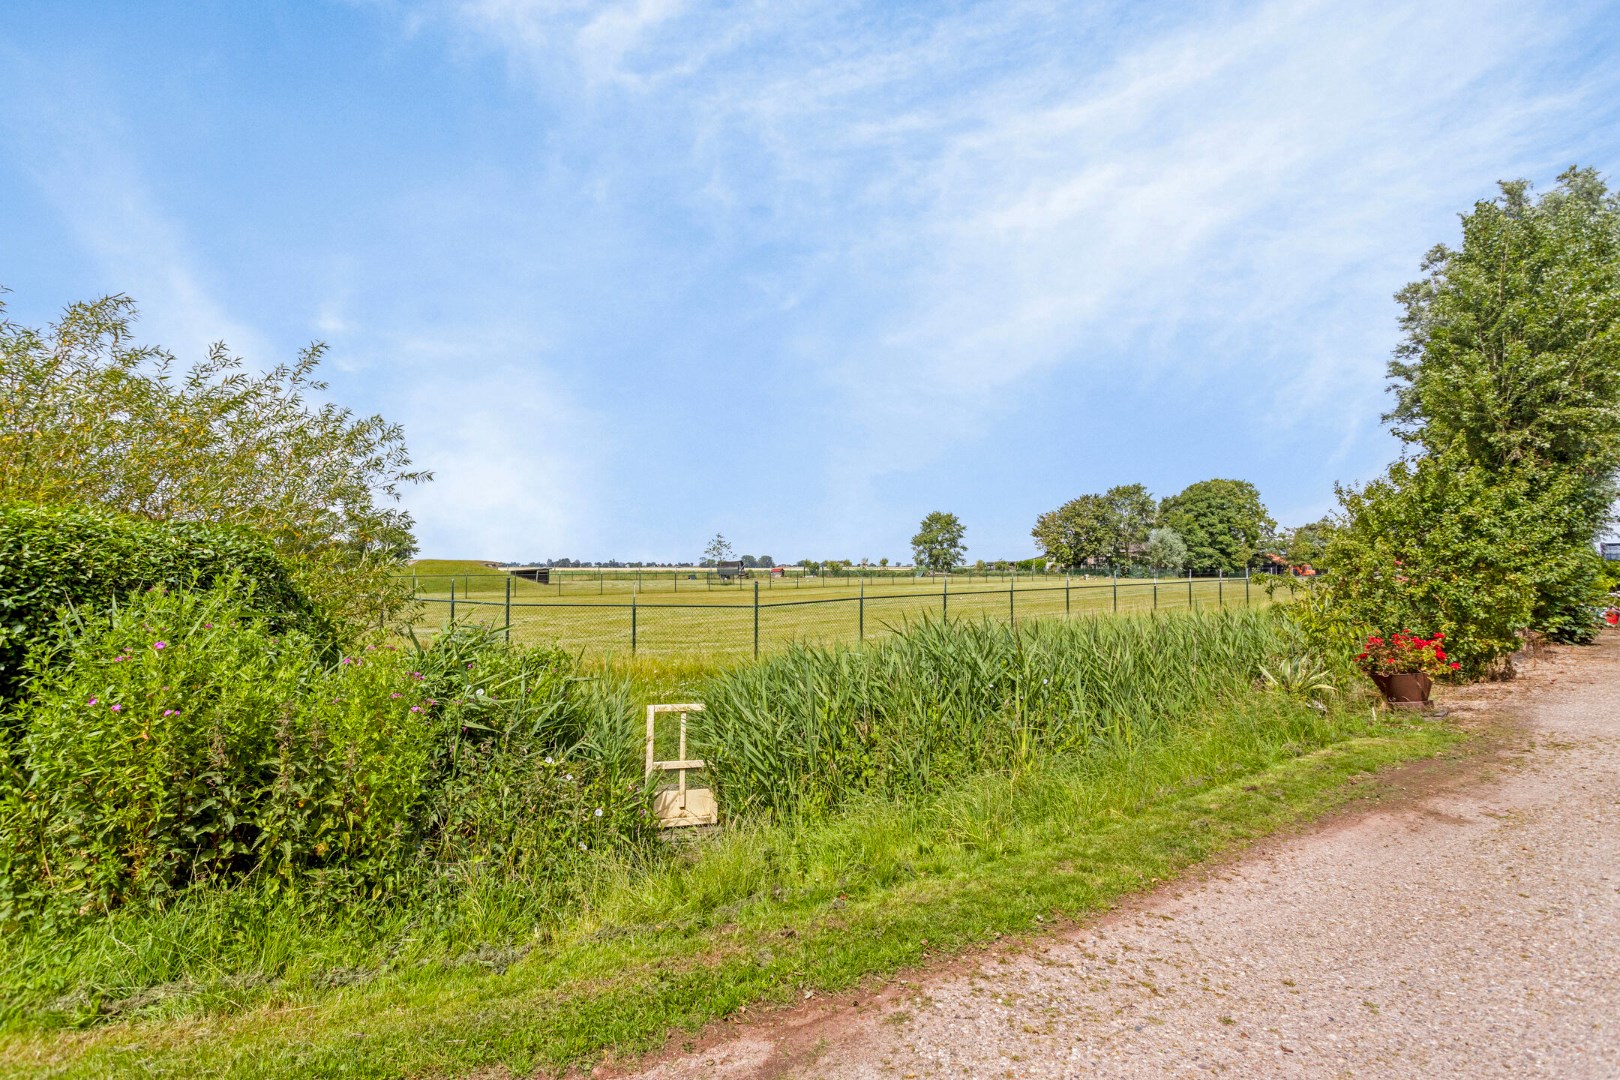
<point x="723" y="622"/>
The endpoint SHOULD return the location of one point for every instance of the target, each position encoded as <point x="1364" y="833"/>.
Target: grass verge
<point x="764" y="913"/>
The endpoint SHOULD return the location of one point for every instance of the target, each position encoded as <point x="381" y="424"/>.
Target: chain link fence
<point x="749" y="618"/>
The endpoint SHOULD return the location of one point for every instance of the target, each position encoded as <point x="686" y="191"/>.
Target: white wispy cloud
<point x="992" y="193"/>
<point x="510" y="479"/>
<point x="855" y="247"/>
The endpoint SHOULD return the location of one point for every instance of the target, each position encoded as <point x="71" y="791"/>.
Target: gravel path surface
<point x="1471" y="930"/>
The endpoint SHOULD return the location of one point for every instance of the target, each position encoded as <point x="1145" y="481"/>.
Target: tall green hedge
<point x="54" y="556"/>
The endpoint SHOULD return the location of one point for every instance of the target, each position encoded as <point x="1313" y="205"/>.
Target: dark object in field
<point x="538" y="574"/>
<point x="730" y="571"/>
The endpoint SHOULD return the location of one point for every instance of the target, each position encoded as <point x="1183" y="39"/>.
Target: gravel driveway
<point x="1469" y="928"/>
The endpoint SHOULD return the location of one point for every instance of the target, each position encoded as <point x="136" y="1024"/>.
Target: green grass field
<point x="679" y="616"/>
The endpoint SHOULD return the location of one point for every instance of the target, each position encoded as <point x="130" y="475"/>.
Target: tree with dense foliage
<point x="1079" y="530"/>
<point x="1512" y="340"/>
<point x="1507" y="389"/>
<point x="1132" y="514"/>
<point x="88" y="417"/>
<point x="1306" y="545"/>
<point x="1109" y="527"/>
<point x="1165" y="550"/>
<point x="938" y="544"/>
<point x="1511" y="361"/>
<point x="1222" y="522"/>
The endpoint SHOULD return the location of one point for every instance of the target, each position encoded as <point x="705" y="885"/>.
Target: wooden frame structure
<point x="681" y="805"/>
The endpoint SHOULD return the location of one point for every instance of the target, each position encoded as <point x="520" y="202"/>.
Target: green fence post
<point x="1220" y="591"/>
<point x="1245" y="586"/>
<point x="509" y="609"/>
<point x="756" y="620"/>
<point x="1190" y="604"/>
<point x="452" y="601"/>
<point x="632" y="624"/>
<point x="1116" y="590"/>
<point x="1012" y="616"/>
<point x="945" y="598"/>
<point x="1155" y="590"/>
<point x="1065" y="592"/>
<point x="862" y="605"/>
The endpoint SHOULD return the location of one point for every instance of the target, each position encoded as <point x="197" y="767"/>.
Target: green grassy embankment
<point x="760" y="913"/>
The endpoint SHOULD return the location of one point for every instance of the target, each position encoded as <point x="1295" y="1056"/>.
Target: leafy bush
<point x="1608" y="575"/>
<point x="187" y="739"/>
<point x="536" y="764"/>
<point x="1445" y="544"/>
<point x="802" y="732"/>
<point x="51" y="556"/>
<point x="88" y="417"/>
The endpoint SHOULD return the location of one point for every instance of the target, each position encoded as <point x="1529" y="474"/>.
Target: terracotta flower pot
<point x="1405" y="690"/>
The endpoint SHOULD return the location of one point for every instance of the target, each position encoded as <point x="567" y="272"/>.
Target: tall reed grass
<point x="802" y="732"/>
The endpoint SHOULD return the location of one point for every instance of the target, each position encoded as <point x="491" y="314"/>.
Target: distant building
<point x="1611" y="550"/>
<point x="730" y="570"/>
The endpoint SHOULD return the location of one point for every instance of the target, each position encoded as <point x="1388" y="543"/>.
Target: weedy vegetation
<point x="445" y="845"/>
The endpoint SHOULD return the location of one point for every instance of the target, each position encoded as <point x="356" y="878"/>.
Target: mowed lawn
<point x="671" y="614"/>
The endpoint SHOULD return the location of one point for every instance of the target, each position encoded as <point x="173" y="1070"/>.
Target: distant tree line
<point x="1212" y="526"/>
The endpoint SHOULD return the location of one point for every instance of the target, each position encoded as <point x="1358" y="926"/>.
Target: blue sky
<point x="631" y="273"/>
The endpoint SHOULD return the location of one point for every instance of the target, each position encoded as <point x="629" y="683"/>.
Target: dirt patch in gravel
<point x="1463" y="920"/>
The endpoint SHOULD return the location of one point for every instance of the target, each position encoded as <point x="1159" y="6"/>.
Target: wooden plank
<point x="693" y="807"/>
<point x="677" y="766"/>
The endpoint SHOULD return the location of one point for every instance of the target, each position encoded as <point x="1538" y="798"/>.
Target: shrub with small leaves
<point x="53" y="557"/>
